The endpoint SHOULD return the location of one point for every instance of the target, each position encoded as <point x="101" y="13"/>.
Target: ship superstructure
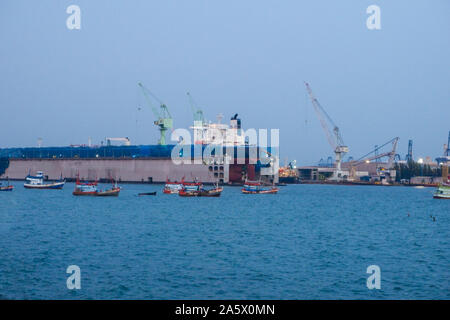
<point x="219" y="133"/>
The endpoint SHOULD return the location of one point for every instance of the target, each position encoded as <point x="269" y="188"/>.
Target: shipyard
<point x="210" y="156"/>
<point x="222" y="153"/>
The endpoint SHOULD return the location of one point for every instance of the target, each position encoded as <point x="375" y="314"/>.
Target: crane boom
<point x="333" y="135"/>
<point x="164" y="119"/>
<point x="197" y="112"/>
<point x="334" y="138"/>
<point x="391" y="153"/>
<point x="146" y="93"/>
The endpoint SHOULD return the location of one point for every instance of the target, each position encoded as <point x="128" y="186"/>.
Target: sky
<point x="249" y="57"/>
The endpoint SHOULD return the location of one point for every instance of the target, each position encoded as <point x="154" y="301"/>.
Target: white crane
<point x="333" y="135"/>
<point x="367" y="158"/>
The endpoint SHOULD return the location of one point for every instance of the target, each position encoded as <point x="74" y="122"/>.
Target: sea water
<point x="306" y="242"/>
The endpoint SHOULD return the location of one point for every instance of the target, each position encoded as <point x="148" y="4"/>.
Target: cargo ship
<point x="232" y="161"/>
<point x="289" y="173"/>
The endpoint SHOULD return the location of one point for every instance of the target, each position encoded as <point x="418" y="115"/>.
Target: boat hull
<point x="108" y="193"/>
<point x="7" y="188"/>
<point x="56" y="185"/>
<point x="271" y="191"/>
<point x="81" y="193"/>
<point x="167" y="191"/>
<point x="441" y="197"/>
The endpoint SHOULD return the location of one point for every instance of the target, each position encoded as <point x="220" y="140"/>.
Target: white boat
<point x="37" y="182"/>
<point x="442" y="192"/>
<point x="173" y="187"/>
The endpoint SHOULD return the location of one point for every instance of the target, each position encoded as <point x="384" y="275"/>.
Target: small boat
<point x="216" y="192"/>
<point x="196" y="189"/>
<point x="37" y="182"/>
<point x="6" y="188"/>
<point x="257" y="188"/>
<point x="173" y="187"/>
<point x="147" y="193"/>
<point x="91" y="189"/>
<point x="442" y="192"/>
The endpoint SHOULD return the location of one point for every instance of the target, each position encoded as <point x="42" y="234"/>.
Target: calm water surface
<point x="307" y="242"/>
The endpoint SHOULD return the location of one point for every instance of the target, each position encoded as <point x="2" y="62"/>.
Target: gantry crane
<point x="333" y="135"/>
<point x="409" y="155"/>
<point x="164" y="119"/>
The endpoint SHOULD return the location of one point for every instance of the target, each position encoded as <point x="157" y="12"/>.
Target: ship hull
<point x="129" y="170"/>
<point x="121" y="170"/>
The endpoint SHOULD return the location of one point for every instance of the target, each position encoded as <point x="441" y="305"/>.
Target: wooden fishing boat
<point x="91" y="189"/>
<point x="6" y="188"/>
<point x="216" y="192"/>
<point x="37" y="182"/>
<point x="257" y="188"/>
<point x="443" y="190"/>
<point x="196" y="189"/>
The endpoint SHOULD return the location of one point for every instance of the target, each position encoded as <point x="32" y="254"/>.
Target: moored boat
<point x="196" y="189"/>
<point x="37" y="182"/>
<point x="8" y="187"/>
<point x="147" y="193"/>
<point x="442" y="192"/>
<point x="257" y="188"/>
<point x="216" y="192"/>
<point x="91" y="189"/>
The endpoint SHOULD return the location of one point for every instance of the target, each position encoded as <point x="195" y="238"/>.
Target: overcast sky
<point x="234" y="56"/>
